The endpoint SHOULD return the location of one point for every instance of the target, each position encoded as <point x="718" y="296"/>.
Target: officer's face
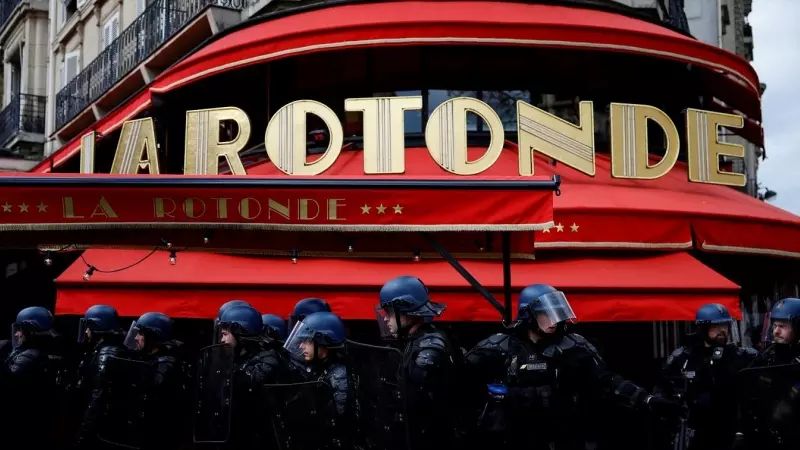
<point x="139" y="341"/>
<point x="20" y="336"/>
<point x="390" y="319"/>
<point x="545" y="324"/>
<point x="782" y="332"/>
<point x="226" y="337"/>
<point x="719" y="333"/>
<point x="308" y="350"/>
<point x="88" y="334"/>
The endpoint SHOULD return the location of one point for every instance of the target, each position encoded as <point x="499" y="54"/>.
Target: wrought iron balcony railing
<point x="6" y="8"/>
<point x="159" y="22"/>
<point x="25" y="113"/>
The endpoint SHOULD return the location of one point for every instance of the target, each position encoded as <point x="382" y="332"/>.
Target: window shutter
<point x="72" y="66"/>
<point x="140" y="6"/>
<point x="106" y="35"/>
<point x="62" y="75"/>
<point x="114" y="28"/>
<point x="62" y="19"/>
<point x="110" y="30"/>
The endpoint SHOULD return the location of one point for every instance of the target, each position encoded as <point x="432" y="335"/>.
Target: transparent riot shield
<point x="382" y="412"/>
<point x="769" y="406"/>
<point x="214" y="394"/>
<point x="302" y="414"/>
<point x="121" y="422"/>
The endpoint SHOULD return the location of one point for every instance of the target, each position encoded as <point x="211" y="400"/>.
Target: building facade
<point x="24" y="43"/>
<point x="95" y="54"/>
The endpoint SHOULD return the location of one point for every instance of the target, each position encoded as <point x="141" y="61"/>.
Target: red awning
<point x="647" y="288"/>
<point x="602" y="212"/>
<point x="458" y="23"/>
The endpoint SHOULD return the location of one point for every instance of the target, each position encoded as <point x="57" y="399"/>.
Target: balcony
<point x="6" y="8"/>
<point x="25" y="114"/>
<point x="159" y="23"/>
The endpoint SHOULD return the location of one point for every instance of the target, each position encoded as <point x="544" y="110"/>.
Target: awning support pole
<point x="464" y="273"/>
<point x="505" y="237"/>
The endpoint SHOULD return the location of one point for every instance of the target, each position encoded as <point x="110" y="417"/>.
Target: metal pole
<point x="506" y="254"/>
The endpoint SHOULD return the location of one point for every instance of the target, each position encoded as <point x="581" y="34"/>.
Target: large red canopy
<point x="458" y="23"/>
<point x="645" y="288"/>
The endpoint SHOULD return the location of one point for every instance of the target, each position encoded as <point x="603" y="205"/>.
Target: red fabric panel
<point x="438" y="23"/>
<point x="356" y="209"/>
<point x="664" y="287"/>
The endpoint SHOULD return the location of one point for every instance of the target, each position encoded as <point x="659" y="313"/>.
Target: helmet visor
<point x="551" y="309"/>
<point x="766" y="329"/>
<point x="298" y="344"/>
<point x="130" y="338"/>
<point x="82" y="327"/>
<point x="388" y="322"/>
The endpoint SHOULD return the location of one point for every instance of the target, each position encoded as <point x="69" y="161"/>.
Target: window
<point x="68" y="8"/>
<point x="140" y="7"/>
<point x="110" y="29"/>
<point x="70" y="67"/>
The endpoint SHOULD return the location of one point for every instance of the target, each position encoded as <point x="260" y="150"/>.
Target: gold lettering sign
<point x="629" y="152"/>
<point x="446" y="136"/>
<point x="384" y="135"/>
<point x="286" y="136"/>
<point x="206" y="140"/>
<point x="137" y="138"/>
<point x="87" y="152"/>
<point x="704" y="147"/>
<point x="540" y="131"/>
<point x="209" y="137"/>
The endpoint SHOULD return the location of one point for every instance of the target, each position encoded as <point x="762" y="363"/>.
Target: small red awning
<point x="646" y="288"/>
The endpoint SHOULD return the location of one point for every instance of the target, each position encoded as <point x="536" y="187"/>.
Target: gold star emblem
<point x="7" y="207"/>
<point x="42" y="207"/>
<point x="398" y="209"/>
<point x="365" y="209"/>
<point x="381" y="209"/>
<point x="23" y="207"/>
<point x="574" y="227"/>
<point x="560" y="228"/>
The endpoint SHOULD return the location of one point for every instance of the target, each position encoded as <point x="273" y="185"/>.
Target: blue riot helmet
<point x="221" y="311"/>
<point x="710" y="315"/>
<point x="155" y="327"/>
<point x="784" y="312"/>
<point x="243" y="321"/>
<point x="323" y="329"/>
<point x="32" y="322"/>
<point x="305" y="307"/>
<point x="544" y="307"/>
<point x="274" y="327"/>
<point x="404" y="296"/>
<point x="100" y="320"/>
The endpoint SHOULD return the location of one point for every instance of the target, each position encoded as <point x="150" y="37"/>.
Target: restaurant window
<point x="504" y="103"/>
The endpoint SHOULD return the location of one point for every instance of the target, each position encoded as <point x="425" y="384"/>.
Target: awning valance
<point x="646" y="288"/>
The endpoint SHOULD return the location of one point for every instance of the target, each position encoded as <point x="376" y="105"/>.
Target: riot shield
<point x="214" y="394"/>
<point x="121" y="422"/>
<point x="382" y="416"/>
<point x="770" y="405"/>
<point x="302" y="414"/>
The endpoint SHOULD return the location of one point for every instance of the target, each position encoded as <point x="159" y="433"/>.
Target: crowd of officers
<point x="258" y="386"/>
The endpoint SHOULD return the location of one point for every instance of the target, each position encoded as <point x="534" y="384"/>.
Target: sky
<point x="776" y="48"/>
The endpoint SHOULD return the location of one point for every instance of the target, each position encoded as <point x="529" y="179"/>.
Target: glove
<point x="665" y="408"/>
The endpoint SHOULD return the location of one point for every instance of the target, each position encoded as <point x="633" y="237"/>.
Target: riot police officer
<point x="274" y="328"/>
<point x="771" y="388"/>
<point x="28" y="380"/>
<point x="784" y="333"/>
<point x="409" y="398"/>
<point x="99" y="329"/>
<point x="540" y="373"/>
<point x="254" y="366"/>
<point x="150" y="336"/>
<point x="703" y="374"/>
<point x="220" y="312"/>
<point x="318" y="413"/>
<point x="305" y="307"/>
